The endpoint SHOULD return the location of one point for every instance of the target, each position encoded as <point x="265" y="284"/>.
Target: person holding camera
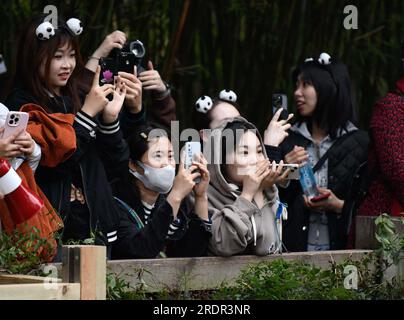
<point x="162" y="110"/>
<point x="157" y="218"/>
<point x="78" y="131"/>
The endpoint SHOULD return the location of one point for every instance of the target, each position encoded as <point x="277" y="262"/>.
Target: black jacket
<point x="134" y="242"/>
<point x="344" y="159"/>
<point x="100" y="147"/>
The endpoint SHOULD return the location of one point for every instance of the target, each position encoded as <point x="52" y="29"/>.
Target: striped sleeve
<point x="85" y="121"/>
<point x="109" y="128"/>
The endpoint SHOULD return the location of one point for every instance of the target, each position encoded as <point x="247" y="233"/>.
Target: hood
<point x="217" y="180"/>
<point x="302" y="129"/>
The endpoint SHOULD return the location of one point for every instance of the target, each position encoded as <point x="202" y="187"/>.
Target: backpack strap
<point x="326" y="155"/>
<point x="132" y="212"/>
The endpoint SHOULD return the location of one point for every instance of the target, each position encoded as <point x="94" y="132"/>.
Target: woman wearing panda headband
<point x="211" y="113"/>
<point x="325" y="138"/>
<point x="78" y="129"/>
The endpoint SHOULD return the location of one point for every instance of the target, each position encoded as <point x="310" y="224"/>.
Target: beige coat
<point x="239" y="226"/>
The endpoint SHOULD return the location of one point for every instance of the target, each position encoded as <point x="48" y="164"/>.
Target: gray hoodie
<point x="238" y="224"/>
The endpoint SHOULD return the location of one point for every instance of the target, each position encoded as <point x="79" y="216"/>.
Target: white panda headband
<point x="46" y="30"/>
<point x="205" y="103"/>
<point x="324" y="59"/>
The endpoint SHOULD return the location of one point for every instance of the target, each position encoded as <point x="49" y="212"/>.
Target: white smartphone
<point x="294" y="171"/>
<point x="192" y="150"/>
<point x="14" y="122"/>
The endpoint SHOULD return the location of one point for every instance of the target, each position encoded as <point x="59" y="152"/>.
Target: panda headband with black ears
<point x="205" y="103"/>
<point x="46" y="30"/>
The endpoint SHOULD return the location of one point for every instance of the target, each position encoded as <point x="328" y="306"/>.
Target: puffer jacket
<point x="344" y="159"/>
<point x="238" y="225"/>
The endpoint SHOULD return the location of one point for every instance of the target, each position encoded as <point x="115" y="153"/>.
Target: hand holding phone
<point x="320" y="197"/>
<point x="15" y="121"/>
<point x="108" y="73"/>
<point x="294" y="173"/>
<point x="280" y="101"/>
<point x="192" y="151"/>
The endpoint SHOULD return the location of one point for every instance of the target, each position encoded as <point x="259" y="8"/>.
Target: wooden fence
<point x="82" y="273"/>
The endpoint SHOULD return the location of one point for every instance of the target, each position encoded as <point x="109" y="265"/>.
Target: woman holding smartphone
<point x="325" y="139"/>
<point x="158" y="218"/>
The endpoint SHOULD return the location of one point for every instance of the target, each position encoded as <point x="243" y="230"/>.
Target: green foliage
<point x="283" y="280"/>
<point x="19" y="252"/>
<point x="248" y="46"/>
<point x="391" y="243"/>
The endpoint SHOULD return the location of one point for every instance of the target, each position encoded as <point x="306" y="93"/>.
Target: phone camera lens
<point x="12" y="117"/>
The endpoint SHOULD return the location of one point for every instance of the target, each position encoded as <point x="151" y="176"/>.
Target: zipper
<point x="85" y="195"/>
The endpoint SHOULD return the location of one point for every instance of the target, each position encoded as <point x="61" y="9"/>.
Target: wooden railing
<point x="82" y="273"/>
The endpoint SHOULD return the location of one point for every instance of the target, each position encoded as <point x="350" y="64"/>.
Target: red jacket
<point x="386" y="156"/>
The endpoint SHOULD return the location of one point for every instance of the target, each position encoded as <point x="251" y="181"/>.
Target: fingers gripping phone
<point x="294" y="173"/>
<point x="192" y="151"/>
<point x="280" y="101"/>
<point x="320" y="197"/>
<point x="15" y="121"/>
<point x="108" y="73"/>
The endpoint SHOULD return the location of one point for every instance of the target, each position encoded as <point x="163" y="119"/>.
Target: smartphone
<point x="320" y="197"/>
<point x="280" y="101"/>
<point x="126" y="62"/>
<point x="192" y="150"/>
<point x="15" y="121"/>
<point x="294" y="171"/>
<point x="108" y="73"/>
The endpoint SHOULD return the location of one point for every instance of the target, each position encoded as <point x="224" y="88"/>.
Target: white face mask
<point x="157" y="179"/>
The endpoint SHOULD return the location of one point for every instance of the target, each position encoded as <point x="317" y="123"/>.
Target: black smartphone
<point x="108" y="73"/>
<point x="126" y="62"/>
<point x="280" y="101"/>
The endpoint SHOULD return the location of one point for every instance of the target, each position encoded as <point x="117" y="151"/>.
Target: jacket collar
<point x="302" y="129"/>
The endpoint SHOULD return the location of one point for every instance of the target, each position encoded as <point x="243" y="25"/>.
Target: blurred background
<point x="249" y="46"/>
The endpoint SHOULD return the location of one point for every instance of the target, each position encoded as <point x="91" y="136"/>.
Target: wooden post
<point x="86" y="265"/>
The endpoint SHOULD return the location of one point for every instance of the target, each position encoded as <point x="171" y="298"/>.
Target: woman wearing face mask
<point x="243" y="198"/>
<point x="157" y="219"/>
<point x="324" y="134"/>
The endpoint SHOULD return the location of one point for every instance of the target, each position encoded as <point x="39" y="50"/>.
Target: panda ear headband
<point x="46" y="30"/>
<point x="325" y="61"/>
<point x="205" y="103"/>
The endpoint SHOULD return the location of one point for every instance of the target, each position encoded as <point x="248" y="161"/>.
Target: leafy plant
<point x="23" y="253"/>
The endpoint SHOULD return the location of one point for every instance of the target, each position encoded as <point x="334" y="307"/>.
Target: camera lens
<point x="137" y="48"/>
<point x="12" y="117"/>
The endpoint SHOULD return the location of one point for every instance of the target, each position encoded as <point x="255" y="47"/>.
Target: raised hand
<point x="113" y="108"/>
<point x="201" y="188"/>
<point x="8" y="148"/>
<point x="297" y="156"/>
<point x="151" y="80"/>
<point x="96" y="99"/>
<point x="133" y="99"/>
<point x="277" y="129"/>
<point x="252" y="182"/>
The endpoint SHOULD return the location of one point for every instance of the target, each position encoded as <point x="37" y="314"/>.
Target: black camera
<point x="129" y="56"/>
